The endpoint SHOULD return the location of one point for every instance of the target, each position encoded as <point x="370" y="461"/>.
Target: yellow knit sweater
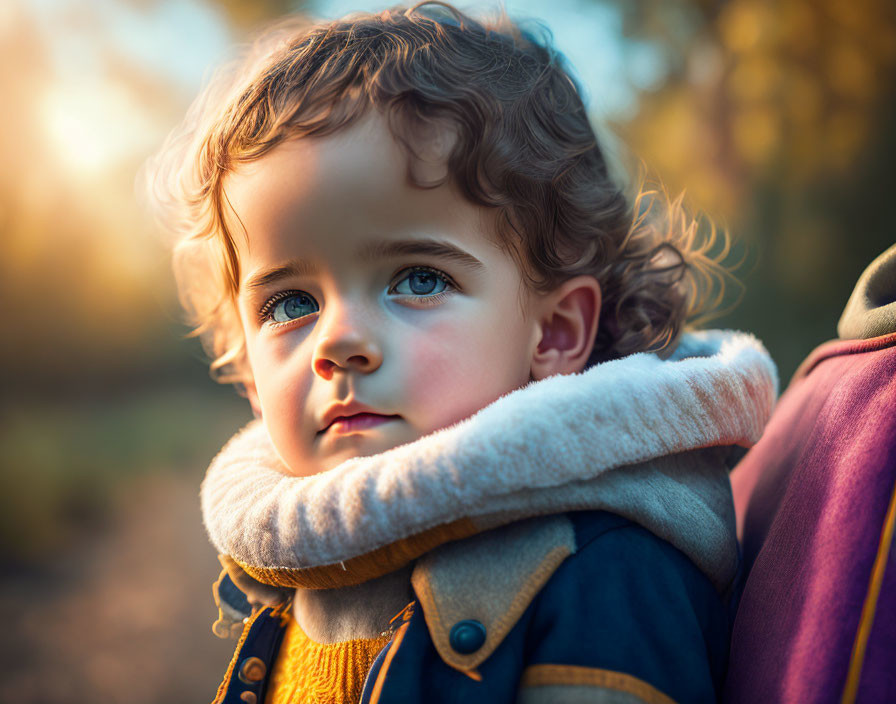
<point x="306" y="672"/>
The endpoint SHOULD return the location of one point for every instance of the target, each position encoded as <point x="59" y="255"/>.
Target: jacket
<point x="622" y="612"/>
<point x="816" y="504"/>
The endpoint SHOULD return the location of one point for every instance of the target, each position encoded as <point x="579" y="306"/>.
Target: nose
<point x="346" y="341"/>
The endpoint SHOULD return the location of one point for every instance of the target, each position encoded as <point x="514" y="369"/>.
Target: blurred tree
<point x="86" y="293"/>
<point x="92" y="361"/>
<point x="247" y="15"/>
<point x="777" y="118"/>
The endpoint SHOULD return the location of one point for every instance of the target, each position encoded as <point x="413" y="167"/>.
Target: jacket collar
<point x="490" y="578"/>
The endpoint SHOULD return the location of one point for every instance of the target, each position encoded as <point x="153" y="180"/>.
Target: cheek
<point x="283" y="397"/>
<point x="458" y="370"/>
<point x="280" y="390"/>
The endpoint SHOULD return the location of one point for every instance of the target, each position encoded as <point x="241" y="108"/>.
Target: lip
<point x="340" y="417"/>
<point x="360" y="421"/>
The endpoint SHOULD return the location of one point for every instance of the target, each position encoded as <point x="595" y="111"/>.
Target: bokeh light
<point x="95" y="125"/>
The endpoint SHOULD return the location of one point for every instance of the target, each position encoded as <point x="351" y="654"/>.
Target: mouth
<point x="358" y="421"/>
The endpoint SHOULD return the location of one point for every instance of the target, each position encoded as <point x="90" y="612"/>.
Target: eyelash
<point x="432" y="298"/>
<point x="267" y="309"/>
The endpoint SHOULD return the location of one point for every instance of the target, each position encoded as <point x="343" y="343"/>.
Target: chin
<point x="336" y="450"/>
<point x="365" y="447"/>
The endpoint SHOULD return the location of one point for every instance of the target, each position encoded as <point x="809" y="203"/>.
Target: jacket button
<point x="467" y="636"/>
<point x="252" y="670"/>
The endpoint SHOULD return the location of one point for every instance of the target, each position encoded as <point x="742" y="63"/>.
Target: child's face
<point x="424" y="338"/>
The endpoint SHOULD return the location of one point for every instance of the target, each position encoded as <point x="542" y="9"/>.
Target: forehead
<point x="344" y="188"/>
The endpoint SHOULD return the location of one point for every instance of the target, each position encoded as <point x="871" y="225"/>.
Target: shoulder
<point x="631" y="609"/>
<point x="620" y="566"/>
<point x="608" y="545"/>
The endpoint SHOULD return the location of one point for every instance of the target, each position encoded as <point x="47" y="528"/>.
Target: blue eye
<point x="288" y="306"/>
<point x="423" y="281"/>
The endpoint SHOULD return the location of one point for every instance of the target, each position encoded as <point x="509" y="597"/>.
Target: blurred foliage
<point x="63" y="460"/>
<point x="777" y="117"/>
<point x="258" y="12"/>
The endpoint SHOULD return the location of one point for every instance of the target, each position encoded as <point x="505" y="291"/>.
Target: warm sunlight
<point x="94" y="125"/>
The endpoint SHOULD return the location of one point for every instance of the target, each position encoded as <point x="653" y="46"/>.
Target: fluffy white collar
<point x="663" y="427"/>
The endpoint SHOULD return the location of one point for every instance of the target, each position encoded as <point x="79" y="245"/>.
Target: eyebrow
<point x="378" y="249"/>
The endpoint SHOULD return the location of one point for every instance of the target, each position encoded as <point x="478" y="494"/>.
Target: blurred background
<point x="776" y="116"/>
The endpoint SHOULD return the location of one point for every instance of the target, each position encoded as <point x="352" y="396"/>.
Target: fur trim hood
<point x="642" y="437"/>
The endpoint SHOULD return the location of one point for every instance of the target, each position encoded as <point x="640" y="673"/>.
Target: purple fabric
<point x="811" y="498"/>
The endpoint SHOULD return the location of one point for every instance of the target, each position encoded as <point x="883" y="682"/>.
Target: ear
<point x="567" y="319"/>
<point x="251" y="393"/>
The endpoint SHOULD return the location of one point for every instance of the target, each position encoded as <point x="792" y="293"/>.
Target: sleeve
<point x="627" y="619"/>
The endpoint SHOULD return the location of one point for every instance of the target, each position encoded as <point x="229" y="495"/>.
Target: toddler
<point x="489" y="463"/>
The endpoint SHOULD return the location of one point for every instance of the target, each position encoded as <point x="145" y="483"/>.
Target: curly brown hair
<point x="524" y="146"/>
